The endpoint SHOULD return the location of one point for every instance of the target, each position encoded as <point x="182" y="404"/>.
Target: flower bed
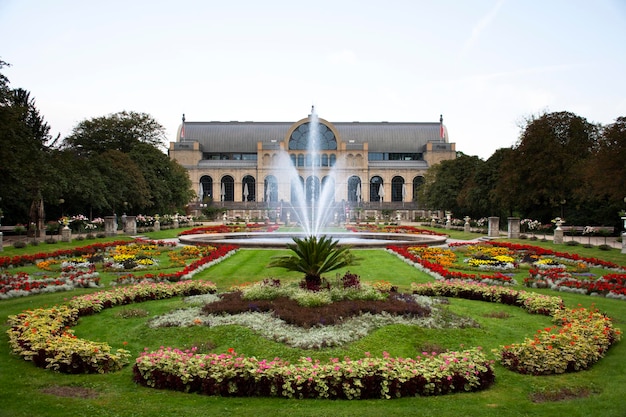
<point x="213" y="257"/>
<point x="558" y="279"/>
<point x="547" y="269"/>
<point x="231" y="374"/>
<point x="367" y="227"/>
<point x="21" y="284"/>
<point x="77" y="269"/>
<point x="22" y="260"/>
<point x="43" y="335"/>
<point x="579" y="339"/>
<point x="251" y="227"/>
<point x="436" y="267"/>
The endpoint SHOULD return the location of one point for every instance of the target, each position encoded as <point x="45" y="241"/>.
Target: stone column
<point x="513" y="229"/>
<point x="130" y="227"/>
<point x="66" y="234"/>
<point x="558" y="233"/>
<point x="494" y="227"/>
<point x="466" y="226"/>
<point x="110" y="225"/>
<point x="157" y="225"/>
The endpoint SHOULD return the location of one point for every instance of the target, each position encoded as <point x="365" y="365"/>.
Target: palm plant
<point x="314" y="256"/>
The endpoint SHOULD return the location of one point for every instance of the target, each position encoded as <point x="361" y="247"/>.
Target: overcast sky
<point x="486" y="65"/>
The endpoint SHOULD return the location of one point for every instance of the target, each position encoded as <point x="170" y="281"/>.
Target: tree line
<point x="107" y="165"/>
<point x="561" y="166"/>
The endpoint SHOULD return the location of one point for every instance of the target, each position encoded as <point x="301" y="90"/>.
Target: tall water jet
<point x="312" y="198"/>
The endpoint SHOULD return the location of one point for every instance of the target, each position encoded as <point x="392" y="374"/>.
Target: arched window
<point x="324" y="160"/>
<point x="206" y="188"/>
<point x="227" y="188"/>
<point x="333" y="159"/>
<point x="248" y="188"/>
<point x="300" y="160"/>
<point x="312" y="189"/>
<point x="309" y="159"/>
<point x="417" y="184"/>
<point x="354" y="189"/>
<point x="270" y="189"/>
<point x="301" y="137"/>
<point x="398" y="190"/>
<point x="377" y="192"/>
<point x="297" y="190"/>
<point x="328" y="189"/>
<point x="293" y="159"/>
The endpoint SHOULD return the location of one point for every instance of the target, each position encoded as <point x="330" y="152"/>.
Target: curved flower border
<point x="579" y="338"/>
<point x="43" y="336"/>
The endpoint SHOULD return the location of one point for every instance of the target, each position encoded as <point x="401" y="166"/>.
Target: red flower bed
<point x="21" y="283"/>
<point x="252" y="227"/>
<point x="183" y="274"/>
<point x="392" y="229"/>
<point x="543" y="252"/>
<point x="21" y="260"/>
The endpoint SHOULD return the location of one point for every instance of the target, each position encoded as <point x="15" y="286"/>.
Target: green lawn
<point x="23" y="386"/>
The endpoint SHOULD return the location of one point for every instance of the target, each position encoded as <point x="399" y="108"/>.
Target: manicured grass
<point x="21" y="383"/>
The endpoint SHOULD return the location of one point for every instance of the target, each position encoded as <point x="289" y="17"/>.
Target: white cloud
<point x="479" y="27"/>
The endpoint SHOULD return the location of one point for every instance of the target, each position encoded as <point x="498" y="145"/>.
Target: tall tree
<point x="169" y="184"/>
<point x="542" y="173"/>
<point x="126" y="189"/>
<point x="444" y="182"/>
<point x="24" y="152"/>
<point x="119" y="131"/>
<point x="479" y="194"/>
<point x="604" y="185"/>
<point x="130" y="142"/>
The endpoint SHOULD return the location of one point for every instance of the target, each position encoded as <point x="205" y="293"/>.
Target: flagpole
<point x="182" y="130"/>
<point x="441" y="131"/>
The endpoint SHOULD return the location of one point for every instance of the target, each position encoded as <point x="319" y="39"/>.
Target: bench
<point x="588" y="229"/>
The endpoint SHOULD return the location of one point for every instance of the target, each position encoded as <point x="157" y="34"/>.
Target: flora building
<point x="252" y="168"/>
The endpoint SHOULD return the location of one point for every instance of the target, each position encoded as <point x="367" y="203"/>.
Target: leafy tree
<point x="481" y="196"/>
<point x="24" y="153"/>
<point x="80" y="185"/>
<point x="120" y="131"/>
<point x="169" y="183"/>
<point x="543" y="171"/>
<point x="149" y="183"/>
<point x="445" y="181"/>
<point x="314" y="256"/>
<point x="127" y="190"/>
<point x="604" y="173"/>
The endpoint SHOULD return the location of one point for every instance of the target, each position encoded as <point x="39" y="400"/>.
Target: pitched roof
<point x="380" y="136"/>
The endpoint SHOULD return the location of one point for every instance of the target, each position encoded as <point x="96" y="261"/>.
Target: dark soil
<point x="292" y="313"/>
<point x="562" y="394"/>
<point x="71" y="392"/>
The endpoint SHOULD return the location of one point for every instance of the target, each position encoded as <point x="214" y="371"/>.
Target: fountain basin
<point x="281" y="239"/>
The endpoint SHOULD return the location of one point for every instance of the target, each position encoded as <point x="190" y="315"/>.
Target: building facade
<point x="258" y="166"/>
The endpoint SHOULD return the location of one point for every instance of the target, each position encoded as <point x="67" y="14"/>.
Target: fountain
<point x="312" y="206"/>
<point x="312" y="199"/>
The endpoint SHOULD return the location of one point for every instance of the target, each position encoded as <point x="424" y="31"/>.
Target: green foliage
<point x="446" y="180"/>
<point x="314" y="256"/>
<point x="120" y="131"/>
